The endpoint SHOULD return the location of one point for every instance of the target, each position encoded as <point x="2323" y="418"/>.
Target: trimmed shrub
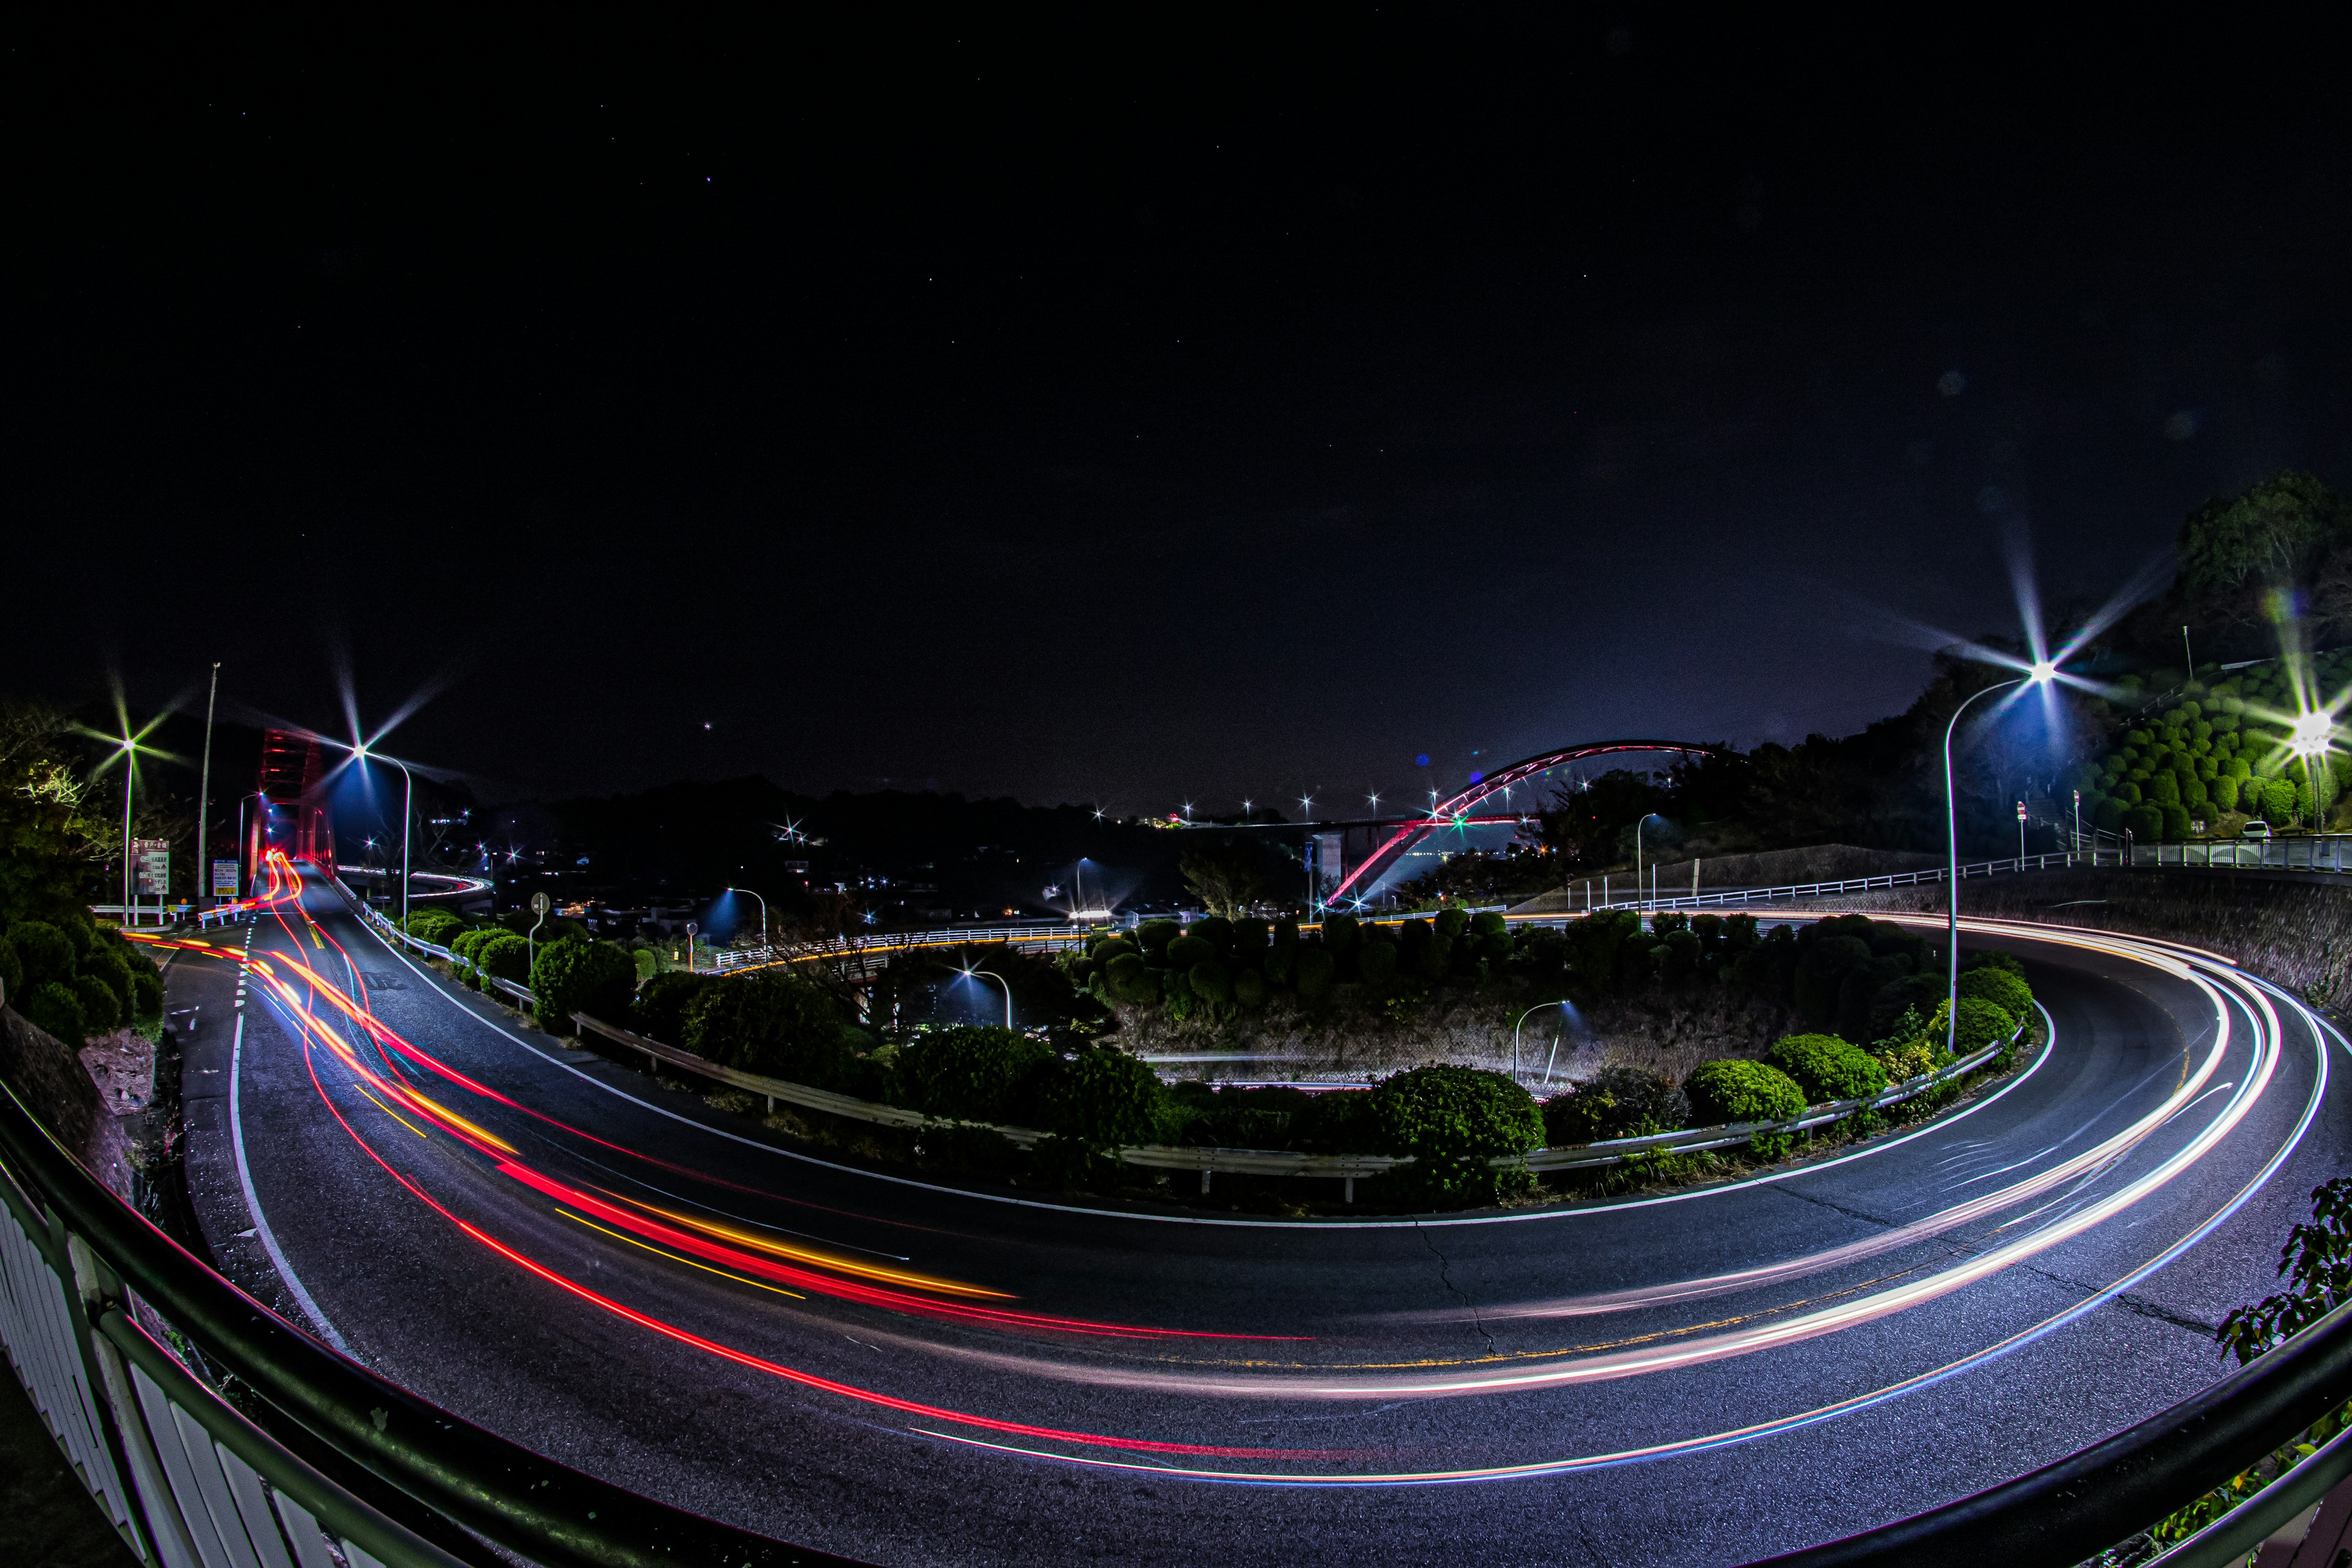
<point x="574" y="977"/>
<point x="53" y="1006"/>
<point x="973" y="1072"/>
<point x="1727" y="1091"/>
<point x="1189" y="949"/>
<point x="1827" y="1068"/>
<point x="1108" y="948"/>
<point x="107" y="966"/>
<point x="102" y="1009"/>
<point x="435" y="926"/>
<point x="1340" y="933"/>
<point x="1249" y="944"/>
<point x="2010" y="994"/>
<point x="1617" y="1103"/>
<point x="1282" y="954"/>
<point x="1153" y="937"/>
<point x="12" y="969"/>
<point x="1210" y="982"/>
<point x="1313" y="974"/>
<point x="1822" y="970"/>
<point x="1249" y="989"/>
<point x="776" y="1025"/>
<point x="44" y="951"/>
<point x="1130" y="981"/>
<point x="146" y="996"/>
<point x="1451" y="1120"/>
<point x="1982" y="1024"/>
<point x="505" y="956"/>
<point x="1103" y="1099"/>
<point x="1214" y="930"/>
<point x="1491" y="936"/>
<point x="1376" y="964"/>
<point x="661" y="1004"/>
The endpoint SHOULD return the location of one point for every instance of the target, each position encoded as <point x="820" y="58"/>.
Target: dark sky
<point x="1130" y="413"/>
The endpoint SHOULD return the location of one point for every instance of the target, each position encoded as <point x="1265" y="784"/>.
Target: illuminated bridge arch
<point x="1449" y="812"/>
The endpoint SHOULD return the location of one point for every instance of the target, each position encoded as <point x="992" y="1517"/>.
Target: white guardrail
<point x="1344" y="1168"/>
<point x="205" y="1487"/>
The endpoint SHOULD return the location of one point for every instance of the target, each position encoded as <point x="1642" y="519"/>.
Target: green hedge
<point x="1726" y="1091"/>
<point x="2008" y="992"/>
<point x="779" y="1026"/>
<point x="1616" y="1102"/>
<point x="1827" y="1068"/>
<point x="1451" y="1120"/>
<point x="971" y="1073"/>
<point x="573" y="976"/>
<point x="661" y="1003"/>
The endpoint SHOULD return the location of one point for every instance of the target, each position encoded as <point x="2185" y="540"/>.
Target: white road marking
<point x="253" y="1204"/>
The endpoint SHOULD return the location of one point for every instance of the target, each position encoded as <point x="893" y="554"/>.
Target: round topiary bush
<point x="2008" y="992"/>
<point x="1453" y="1120"/>
<point x="1104" y="1099"/>
<point x="1130" y="981"/>
<point x="1982" y="1024"/>
<point x="1313" y="974"/>
<point x="1827" y="1068"/>
<point x="1376" y="964"/>
<point x="573" y="976"/>
<point x="102" y="1009"/>
<point x="661" y="1004"/>
<point x="974" y="1073"/>
<point x="1616" y="1102"/>
<point x="52" y="1006"/>
<point x="1211" y="981"/>
<point x="1189" y="949"/>
<point x="1728" y="1091"/>
<point x="1249" y="989"/>
<point x="505" y="956"/>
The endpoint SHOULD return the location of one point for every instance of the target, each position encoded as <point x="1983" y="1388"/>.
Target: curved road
<point x="664" y="1295"/>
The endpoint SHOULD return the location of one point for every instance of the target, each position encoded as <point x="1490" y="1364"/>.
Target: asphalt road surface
<point x="668" y="1297"/>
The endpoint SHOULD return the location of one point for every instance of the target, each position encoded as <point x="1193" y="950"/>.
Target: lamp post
<point x="763" y="913"/>
<point x="2041" y="673"/>
<point x="407" y="793"/>
<point x="2309" y="738"/>
<point x="128" y="767"/>
<point x="984" y="974"/>
<point x="204" y="800"/>
<point x="1523" y="1024"/>
<point x="1638" y="826"/>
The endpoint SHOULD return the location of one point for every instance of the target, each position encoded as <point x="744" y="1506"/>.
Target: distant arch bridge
<point x="1404" y="837"/>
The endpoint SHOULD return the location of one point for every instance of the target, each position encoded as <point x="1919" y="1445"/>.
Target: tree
<point x="1226" y="878"/>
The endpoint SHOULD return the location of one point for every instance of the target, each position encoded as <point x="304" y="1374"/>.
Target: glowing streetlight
<point x="1523" y="1024"/>
<point x="1639" y="824"/>
<point x="360" y="754"/>
<point x="2041" y="673"/>
<point x="763" y="913"/>
<point x="970" y="974"/>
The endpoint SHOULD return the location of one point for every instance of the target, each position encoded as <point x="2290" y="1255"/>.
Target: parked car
<point x="2256" y="830"/>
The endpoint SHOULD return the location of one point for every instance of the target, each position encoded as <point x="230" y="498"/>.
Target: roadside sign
<point x="224" y="879"/>
<point x="151" y="858"/>
<point x="538" y="905"/>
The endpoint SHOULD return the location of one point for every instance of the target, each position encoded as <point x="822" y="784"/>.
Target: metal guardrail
<point x="1344" y="1168"/>
<point x="391" y="930"/>
<point x="412" y="1485"/>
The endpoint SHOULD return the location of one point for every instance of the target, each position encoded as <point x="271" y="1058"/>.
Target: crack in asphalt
<point x="1445" y="1274"/>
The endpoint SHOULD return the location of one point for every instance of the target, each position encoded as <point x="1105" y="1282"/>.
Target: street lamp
<point x="2309" y="739"/>
<point x="1523" y="1024"/>
<point x="1638" y="884"/>
<point x="763" y="913"/>
<point x="2040" y="674"/>
<point x="983" y="974"/>
<point x="359" y="754"/>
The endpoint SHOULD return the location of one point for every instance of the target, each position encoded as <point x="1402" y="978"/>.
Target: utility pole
<point x="204" y="799"/>
<point x="2020" y="836"/>
<point x="2186" y="655"/>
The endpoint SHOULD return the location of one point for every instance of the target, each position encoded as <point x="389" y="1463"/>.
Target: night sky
<point x="1130" y="415"/>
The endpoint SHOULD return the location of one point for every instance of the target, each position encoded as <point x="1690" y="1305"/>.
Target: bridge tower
<point x="294" y="816"/>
